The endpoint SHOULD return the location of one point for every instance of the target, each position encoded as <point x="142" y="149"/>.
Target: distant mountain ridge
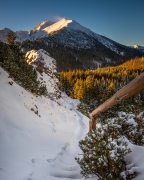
<point x="73" y="46"/>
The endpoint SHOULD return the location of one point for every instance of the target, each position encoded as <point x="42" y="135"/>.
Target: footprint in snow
<point x="33" y="160"/>
<point x="50" y="160"/>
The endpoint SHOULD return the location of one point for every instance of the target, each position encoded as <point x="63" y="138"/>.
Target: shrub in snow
<point x="132" y="127"/>
<point x="105" y="148"/>
<point x="103" y="153"/>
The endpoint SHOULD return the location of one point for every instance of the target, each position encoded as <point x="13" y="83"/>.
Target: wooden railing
<point x="134" y="87"/>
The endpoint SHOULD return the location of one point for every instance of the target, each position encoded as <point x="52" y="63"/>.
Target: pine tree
<point x="79" y="89"/>
<point x="105" y="148"/>
<point x="11" y="38"/>
<point x="12" y="60"/>
<point x="103" y="153"/>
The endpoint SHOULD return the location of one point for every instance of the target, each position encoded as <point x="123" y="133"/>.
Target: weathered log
<point x="132" y="88"/>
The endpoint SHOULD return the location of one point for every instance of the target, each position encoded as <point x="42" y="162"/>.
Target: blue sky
<point x="119" y="20"/>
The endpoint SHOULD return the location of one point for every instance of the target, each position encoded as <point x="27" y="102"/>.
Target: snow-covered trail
<point x="40" y="146"/>
<point x="64" y="164"/>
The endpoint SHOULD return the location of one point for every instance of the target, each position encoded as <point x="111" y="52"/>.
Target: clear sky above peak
<point x="119" y="20"/>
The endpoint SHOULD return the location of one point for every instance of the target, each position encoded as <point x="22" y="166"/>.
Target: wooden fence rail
<point x="132" y="88"/>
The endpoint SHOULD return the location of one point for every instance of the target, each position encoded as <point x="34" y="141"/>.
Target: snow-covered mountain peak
<point x="41" y="25"/>
<point x="45" y="28"/>
<point x="57" y="26"/>
<point x="69" y="33"/>
<point x="66" y="23"/>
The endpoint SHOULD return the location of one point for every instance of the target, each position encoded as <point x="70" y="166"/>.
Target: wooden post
<point x="92" y="124"/>
<point x="132" y="88"/>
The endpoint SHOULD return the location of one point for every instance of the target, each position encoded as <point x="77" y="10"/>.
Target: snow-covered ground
<point x="38" y="137"/>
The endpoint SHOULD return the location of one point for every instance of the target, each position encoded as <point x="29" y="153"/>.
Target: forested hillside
<point x="12" y="60"/>
<point x="93" y="87"/>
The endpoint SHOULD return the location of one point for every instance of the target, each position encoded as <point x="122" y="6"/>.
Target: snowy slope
<point x="20" y="34"/>
<point x="47" y="64"/>
<point x="38" y="137"/>
<point x="136" y="161"/>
